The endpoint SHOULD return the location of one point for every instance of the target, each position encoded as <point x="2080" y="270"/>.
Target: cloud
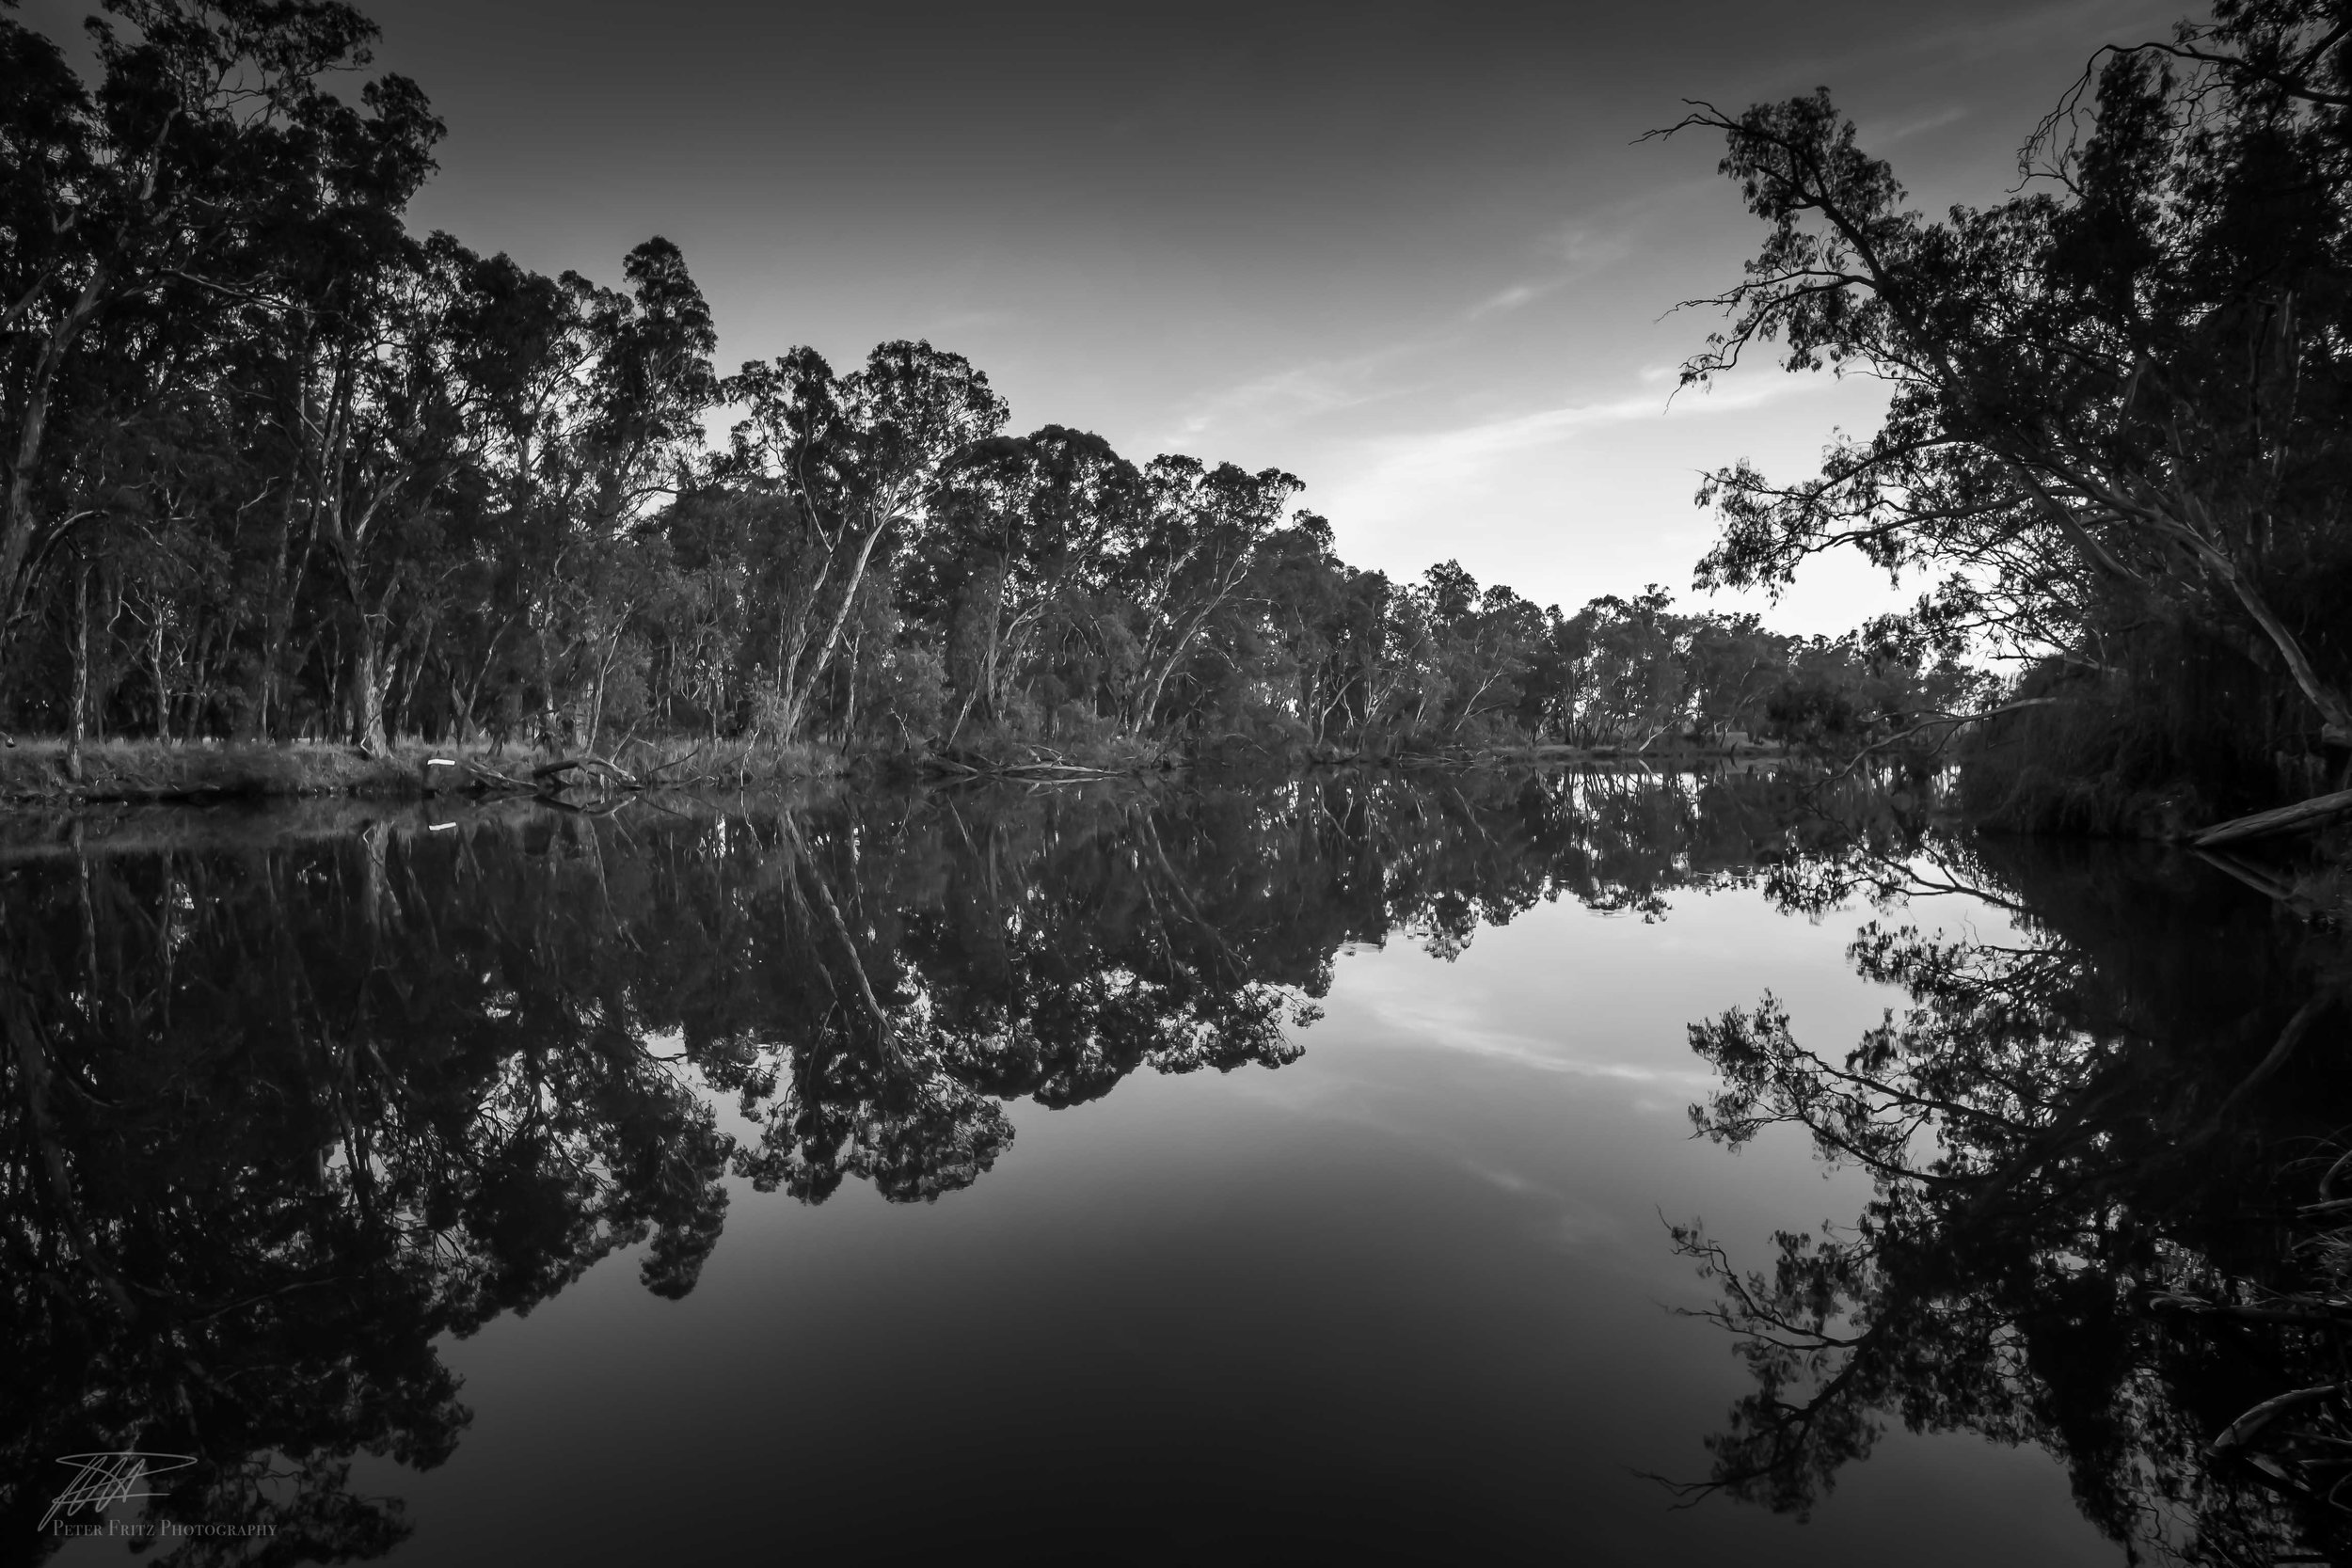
<point x="1570" y="251"/>
<point x="1295" y="392"/>
<point x="1460" y="452"/>
<point x="1413" y="478"/>
<point x="1587" y="246"/>
<point x="2035" y="32"/>
<point x="1910" y="128"/>
<point x="2036" y="26"/>
<point x="1592" y="242"/>
<point x="1511" y="298"/>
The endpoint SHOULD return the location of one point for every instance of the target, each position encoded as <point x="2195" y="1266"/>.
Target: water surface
<point x="1172" y="1175"/>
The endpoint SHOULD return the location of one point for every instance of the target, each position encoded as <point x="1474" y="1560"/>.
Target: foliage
<point x="2117" y="428"/>
<point x="281" y="469"/>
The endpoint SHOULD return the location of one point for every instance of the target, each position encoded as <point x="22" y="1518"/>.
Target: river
<point x="1256" y="1173"/>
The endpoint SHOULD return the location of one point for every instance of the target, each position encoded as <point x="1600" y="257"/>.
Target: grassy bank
<point x="34" y="771"/>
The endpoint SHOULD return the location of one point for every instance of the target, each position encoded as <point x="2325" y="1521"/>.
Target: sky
<point x="1417" y="254"/>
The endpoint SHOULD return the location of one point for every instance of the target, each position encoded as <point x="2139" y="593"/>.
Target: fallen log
<point x="2285" y="819"/>
<point x="475" y="776"/>
<point x="548" y="773"/>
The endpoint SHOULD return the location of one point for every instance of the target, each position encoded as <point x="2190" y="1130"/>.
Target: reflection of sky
<point x="1403" y="1300"/>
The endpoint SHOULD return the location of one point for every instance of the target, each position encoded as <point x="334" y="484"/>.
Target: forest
<point x="281" y="468"/>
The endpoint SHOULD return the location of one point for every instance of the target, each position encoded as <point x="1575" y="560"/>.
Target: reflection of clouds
<point x="1573" y="1222"/>
<point x="1582" y="1224"/>
<point x="1429" y="1032"/>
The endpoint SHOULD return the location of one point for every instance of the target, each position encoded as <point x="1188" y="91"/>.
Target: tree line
<point x="279" y="466"/>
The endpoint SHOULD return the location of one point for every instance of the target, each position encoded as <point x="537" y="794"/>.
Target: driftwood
<point x="1054" y="771"/>
<point x="472" y="775"/>
<point x="1043" y="765"/>
<point x="2285" y="819"/>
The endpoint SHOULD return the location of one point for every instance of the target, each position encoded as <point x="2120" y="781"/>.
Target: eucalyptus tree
<point x="212" y="128"/>
<point x="857" y="456"/>
<point x="2118" y="399"/>
<point x="1019" y="550"/>
<point x="1323" y="632"/>
<point x="1480" y="648"/>
<point x="398" y="426"/>
<point x="592" y="401"/>
<point x="1185" y="556"/>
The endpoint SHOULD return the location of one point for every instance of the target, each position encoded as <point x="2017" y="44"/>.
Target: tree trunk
<point x="78" y="728"/>
<point x="16" y="523"/>
<point x="2263" y="824"/>
<point x="460" y="709"/>
<point x="848" y="706"/>
<point x="268" y="715"/>
<point x="155" y="671"/>
<point x="801" y="684"/>
<point x="367" y="692"/>
<point x="2335" y="714"/>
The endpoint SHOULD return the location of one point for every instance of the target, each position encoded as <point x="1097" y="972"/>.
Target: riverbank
<point x="33" y="772"/>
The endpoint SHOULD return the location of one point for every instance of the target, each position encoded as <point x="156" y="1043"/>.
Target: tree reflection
<point x="276" y="1120"/>
<point x="281" y="1108"/>
<point x="2094" y="1145"/>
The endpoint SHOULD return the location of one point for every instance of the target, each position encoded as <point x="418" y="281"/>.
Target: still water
<point x="1276" y="1174"/>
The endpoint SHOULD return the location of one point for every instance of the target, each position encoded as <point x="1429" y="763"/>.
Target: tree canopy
<point x="2118" y="429"/>
<point x="279" y="466"/>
